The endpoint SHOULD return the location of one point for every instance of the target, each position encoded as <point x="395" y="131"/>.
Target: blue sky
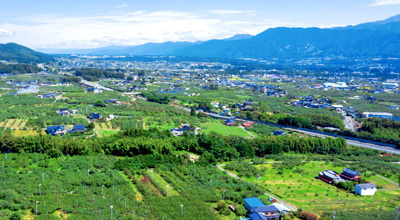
<point x="98" y="23"/>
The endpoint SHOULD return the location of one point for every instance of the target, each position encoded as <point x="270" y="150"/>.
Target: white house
<point x="363" y="189"/>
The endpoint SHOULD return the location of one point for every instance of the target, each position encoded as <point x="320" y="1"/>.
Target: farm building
<point x="55" y="130"/>
<point x="251" y="203"/>
<point x="283" y="210"/>
<point x="279" y="133"/>
<point x="63" y="112"/>
<point x="330" y="176"/>
<point x="259" y="211"/>
<point x="351" y="174"/>
<point x="365" y="189"/>
<point x="229" y="122"/>
<point x="78" y="128"/>
<point x="95" y="116"/>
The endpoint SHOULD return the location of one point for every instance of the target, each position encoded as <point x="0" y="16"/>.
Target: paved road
<point x="394" y="183"/>
<point x="317" y="134"/>
<point x="267" y="194"/>
<point x="95" y="85"/>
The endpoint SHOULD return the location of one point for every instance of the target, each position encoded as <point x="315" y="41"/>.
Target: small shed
<point x="283" y="210"/>
<point x="365" y="189"/>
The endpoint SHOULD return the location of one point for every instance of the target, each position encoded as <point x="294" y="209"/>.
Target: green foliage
<point x="19" y="68"/>
<point x="71" y="79"/>
<point x="155" y="97"/>
<point x="99" y="103"/>
<point x="243" y="168"/>
<point x="91" y="126"/>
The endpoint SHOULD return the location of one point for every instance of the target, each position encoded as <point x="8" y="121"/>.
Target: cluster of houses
<point x="330" y="176"/>
<point x="184" y="127"/>
<point x="47" y="95"/>
<point x="382" y="88"/>
<point x="259" y="211"/>
<point x="310" y="102"/>
<point x="66" y="112"/>
<point x="60" y="130"/>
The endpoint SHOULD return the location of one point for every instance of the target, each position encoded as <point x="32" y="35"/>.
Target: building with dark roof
<point x="351" y="174"/>
<point x="56" y="130"/>
<point x="95" y="116"/>
<point x="229" y="122"/>
<point x="279" y="133"/>
<point x="78" y="128"/>
<point x="259" y="211"/>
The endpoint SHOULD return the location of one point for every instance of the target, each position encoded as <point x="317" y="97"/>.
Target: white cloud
<point x="385" y="2"/>
<point x="131" y="28"/>
<point x="122" y="6"/>
<point x="229" y="12"/>
<point x="6" y="33"/>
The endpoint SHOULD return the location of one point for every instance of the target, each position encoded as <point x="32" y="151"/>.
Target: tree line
<point x="132" y="142"/>
<point x="19" y="68"/>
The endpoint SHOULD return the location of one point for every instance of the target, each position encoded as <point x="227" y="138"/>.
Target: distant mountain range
<point x="18" y="53"/>
<point x="145" y="49"/>
<point x="373" y="39"/>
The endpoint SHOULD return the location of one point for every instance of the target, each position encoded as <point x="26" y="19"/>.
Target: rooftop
<point x="366" y="185"/>
<point x="254" y="202"/>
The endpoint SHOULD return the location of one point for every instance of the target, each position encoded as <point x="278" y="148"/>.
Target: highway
<point x="95" y="85"/>
<point x="351" y="141"/>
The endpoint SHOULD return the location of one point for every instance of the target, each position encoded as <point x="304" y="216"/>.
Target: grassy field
<point x="222" y="129"/>
<point x="306" y="191"/>
<point x="102" y="133"/>
<point x="13" y="123"/>
<point x="105" y="125"/>
<point x="20" y="132"/>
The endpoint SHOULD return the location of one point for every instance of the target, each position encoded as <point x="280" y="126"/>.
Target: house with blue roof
<point x="229" y="122"/>
<point x="56" y="130"/>
<point x="95" y="116"/>
<point x="78" y="128"/>
<point x="259" y="211"/>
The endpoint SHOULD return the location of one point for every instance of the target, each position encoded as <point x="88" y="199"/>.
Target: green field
<point x="300" y="187"/>
<point x="102" y="133"/>
<point x="223" y="129"/>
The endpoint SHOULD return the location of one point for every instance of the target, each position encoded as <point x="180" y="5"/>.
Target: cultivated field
<point x="300" y="187"/>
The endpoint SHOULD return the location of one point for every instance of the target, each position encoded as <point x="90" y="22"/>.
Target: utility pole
<point x="299" y="180"/>
<point x="40" y="193"/>
<point x="167" y="189"/>
<point x="102" y="190"/>
<point x="43" y="177"/>
<point x="283" y="193"/>
<point x="325" y="192"/>
<point x="258" y="178"/>
<point x="182" y="209"/>
<point x="223" y="197"/>
<point x="111" y="211"/>
<point x="88" y="171"/>
<point x="36" y="206"/>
